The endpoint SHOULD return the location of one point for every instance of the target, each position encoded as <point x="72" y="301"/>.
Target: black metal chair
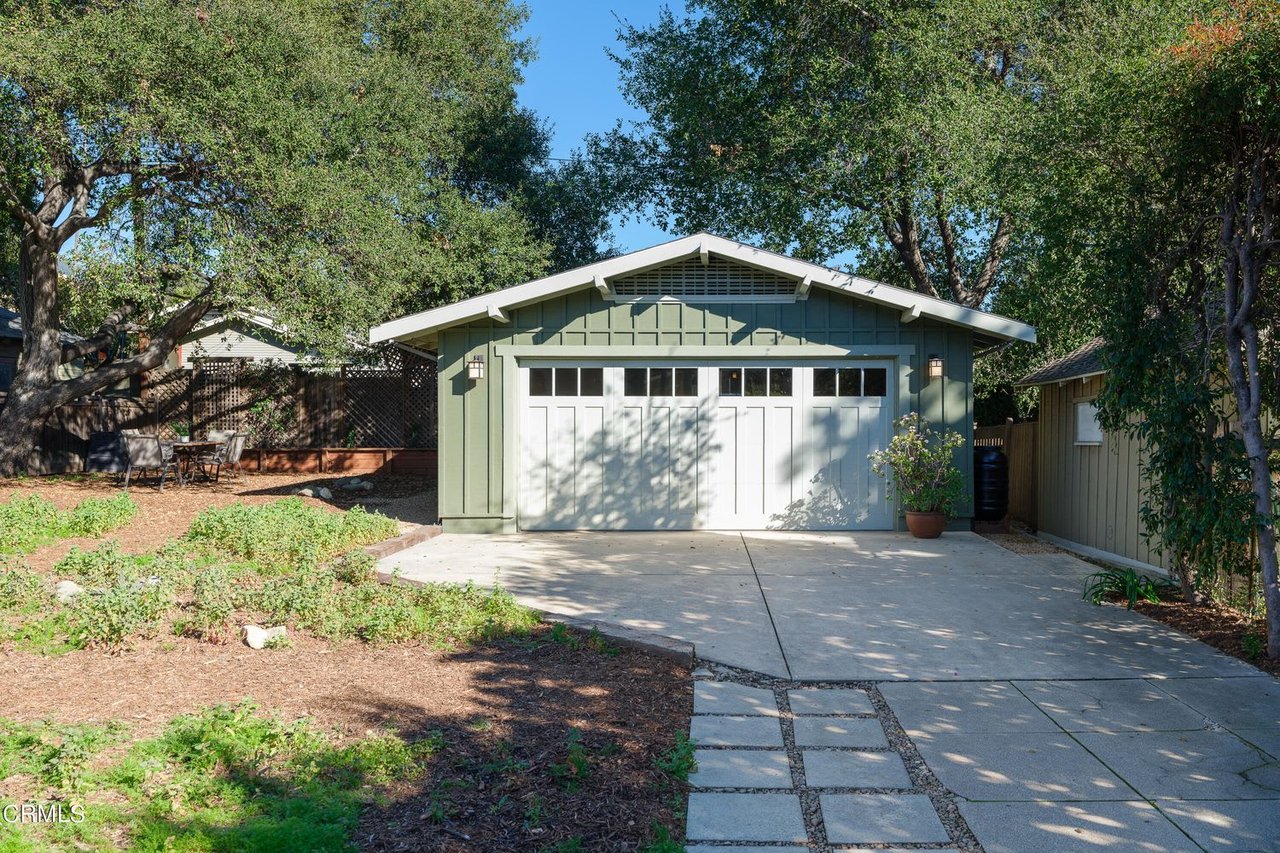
<point x="147" y="453"/>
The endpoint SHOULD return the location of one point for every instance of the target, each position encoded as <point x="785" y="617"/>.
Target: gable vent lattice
<point x="718" y="279"/>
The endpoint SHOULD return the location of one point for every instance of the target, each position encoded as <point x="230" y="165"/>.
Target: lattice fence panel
<point x="421" y="403"/>
<point x="219" y="398"/>
<point x="169" y="395"/>
<point x="373" y="407"/>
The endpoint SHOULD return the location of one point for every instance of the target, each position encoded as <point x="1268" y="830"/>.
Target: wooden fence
<point x="1018" y="441"/>
<point x="355" y="419"/>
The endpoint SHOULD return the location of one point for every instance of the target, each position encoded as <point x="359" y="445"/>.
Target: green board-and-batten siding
<point x="1089" y="495"/>
<point x="473" y="447"/>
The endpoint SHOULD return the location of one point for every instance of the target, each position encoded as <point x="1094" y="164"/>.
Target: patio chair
<point x="226" y="455"/>
<point x="220" y="434"/>
<point x="147" y="453"/>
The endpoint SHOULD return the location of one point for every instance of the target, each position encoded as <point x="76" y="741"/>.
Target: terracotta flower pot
<point x="926" y="525"/>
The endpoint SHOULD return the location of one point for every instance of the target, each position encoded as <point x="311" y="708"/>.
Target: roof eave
<point x="417" y="326"/>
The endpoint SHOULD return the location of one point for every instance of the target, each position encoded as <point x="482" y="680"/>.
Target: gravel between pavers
<point x="923" y="780"/>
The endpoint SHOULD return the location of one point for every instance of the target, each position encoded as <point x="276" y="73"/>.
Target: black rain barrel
<point x="990" y="484"/>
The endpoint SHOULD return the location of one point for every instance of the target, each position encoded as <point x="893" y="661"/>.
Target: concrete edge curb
<point x="677" y="651"/>
<point x="395" y="544"/>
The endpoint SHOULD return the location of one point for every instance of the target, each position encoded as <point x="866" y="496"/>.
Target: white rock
<point x="324" y="494"/>
<point x="257" y="637"/>
<point x="66" y="591"/>
<point x="305" y="493"/>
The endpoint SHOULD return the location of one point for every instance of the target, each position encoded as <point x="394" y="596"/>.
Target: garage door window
<point x="755" y="382"/>
<point x="566" y="382"/>
<point x="850" y="382"/>
<point x="660" y="382"/>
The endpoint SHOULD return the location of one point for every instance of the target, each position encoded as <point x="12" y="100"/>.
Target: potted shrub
<point x="925" y="479"/>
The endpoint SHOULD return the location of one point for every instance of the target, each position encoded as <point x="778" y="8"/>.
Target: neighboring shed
<point x="702" y="383"/>
<point x="1089" y="481"/>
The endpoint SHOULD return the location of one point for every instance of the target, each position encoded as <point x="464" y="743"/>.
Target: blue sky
<point x="574" y="85"/>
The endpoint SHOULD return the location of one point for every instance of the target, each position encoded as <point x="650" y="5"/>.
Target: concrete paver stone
<point x="809" y="702"/>
<point x="855" y="732"/>
<point x="741" y="768"/>
<point x="881" y="818"/>
<point x="827" y="768"/>
<point x="744" y="817"/>
<point x="735" y="731"/>
<point x="726" y="697"/>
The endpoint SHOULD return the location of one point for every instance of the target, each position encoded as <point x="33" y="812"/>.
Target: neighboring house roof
<point x="11" y="327"/>
<point x="601" y="275"/>
<point x="1078" y="364"/>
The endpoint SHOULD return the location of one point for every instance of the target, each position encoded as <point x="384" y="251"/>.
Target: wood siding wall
<point x="472" y="419"/>
<point x="1090" y="495"/>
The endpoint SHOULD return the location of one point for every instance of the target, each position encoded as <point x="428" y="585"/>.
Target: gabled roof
<point x="1080" y="363"/>
<point x="417" y="327"/>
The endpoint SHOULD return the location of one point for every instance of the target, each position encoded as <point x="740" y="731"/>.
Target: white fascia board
<point x="416" y="325"/>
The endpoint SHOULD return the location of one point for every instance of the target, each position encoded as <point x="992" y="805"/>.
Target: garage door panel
<point x="636" y="456"/>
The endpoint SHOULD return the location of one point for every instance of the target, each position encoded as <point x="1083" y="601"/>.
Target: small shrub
<point x="26" y="522"/>
<point x="213" y="601"/>
<point x="103" y="566"/>
<point x="56" y="755"/>
<point x="1253" y="645"/>
<point x="21" y="590"/>
<point x="1124" y="583"/>
<point x="679" y="762"/>
<point x="576" y="767"/>
<point x="922" y="463"/>
<point x="126" y="609"/>
<point x="354" y="567"/>
<point x="29" y="521"/>
<point x="97" y="516"/>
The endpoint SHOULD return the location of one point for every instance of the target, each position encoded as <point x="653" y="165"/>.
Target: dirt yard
<point x="411" y="500"/>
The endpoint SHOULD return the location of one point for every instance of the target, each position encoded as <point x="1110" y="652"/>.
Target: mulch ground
<point x="166" y="515"/>
<point x="1223" y="628"/>
<point x="505" y="712"/>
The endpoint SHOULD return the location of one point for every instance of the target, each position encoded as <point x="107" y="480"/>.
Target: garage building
<point x="699" y="384"/>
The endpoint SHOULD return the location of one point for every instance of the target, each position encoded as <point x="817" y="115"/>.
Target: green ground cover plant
<point x="224" y="778"/>
<point x="280" y="563"/>
<point x="287" y="534"/>
<point x="30" y="521"/>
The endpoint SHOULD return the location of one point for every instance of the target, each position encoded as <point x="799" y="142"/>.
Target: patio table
<point x="187" y="452"/>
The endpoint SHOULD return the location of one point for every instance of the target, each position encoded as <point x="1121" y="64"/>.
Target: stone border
<point x="395" y="544"/>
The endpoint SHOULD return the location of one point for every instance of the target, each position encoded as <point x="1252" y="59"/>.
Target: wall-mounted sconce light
<point x="935" y="367"/>
<point x="475" y="368"/>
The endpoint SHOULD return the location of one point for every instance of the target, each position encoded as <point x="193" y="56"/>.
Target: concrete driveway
<point x="993" y="710"/>
<point x="830" y="607"/>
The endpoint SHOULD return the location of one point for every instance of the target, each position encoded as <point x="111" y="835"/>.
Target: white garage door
<point x="680" y="446"/>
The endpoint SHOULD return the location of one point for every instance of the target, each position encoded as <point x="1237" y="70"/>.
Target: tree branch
<point x="902" y="234"/>
<point x="102" y="338"/>
<point x="954" y="278"/>
<point x="161" y="344"/>
<point x="991" y="264"/>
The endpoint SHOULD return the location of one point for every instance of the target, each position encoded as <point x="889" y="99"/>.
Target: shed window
<point x="7" y="368"/>
<point x="1088" y="430"/>
<point x="566" y="381"/>
<point x="635" y="381"/>
<point x="591" y="382"/>
<point x="686" y="381"/>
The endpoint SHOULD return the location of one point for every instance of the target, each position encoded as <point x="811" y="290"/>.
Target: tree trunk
<point x="37" y="390"/>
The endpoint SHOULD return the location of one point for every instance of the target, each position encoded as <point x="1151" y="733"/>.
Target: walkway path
<point x="868" y="691"/>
